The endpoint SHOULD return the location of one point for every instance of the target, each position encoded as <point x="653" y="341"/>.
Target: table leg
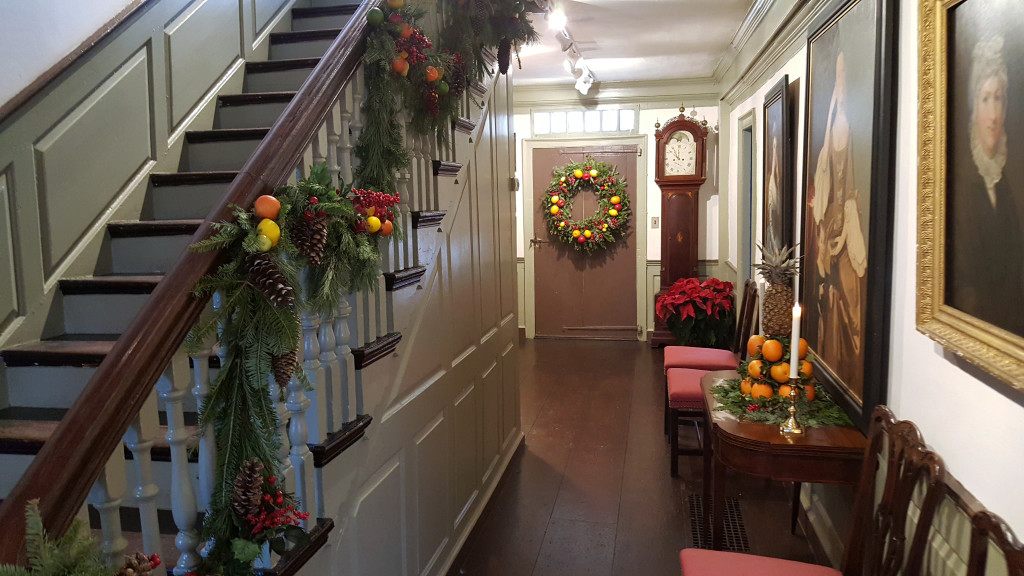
<point x="718" y="509"/>
<point x="708" y="463"/>
<point x="796" y="507"/>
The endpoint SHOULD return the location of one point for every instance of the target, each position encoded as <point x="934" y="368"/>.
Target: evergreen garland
<point x="601" y="228"/>
<point x="75" y="553"/>
<point x="822" y="411"/>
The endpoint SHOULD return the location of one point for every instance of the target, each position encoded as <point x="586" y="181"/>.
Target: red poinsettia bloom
<point x="699" y="313"/>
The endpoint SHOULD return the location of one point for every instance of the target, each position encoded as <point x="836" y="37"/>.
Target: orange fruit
<point x="761" y="391"/>
<point x="745" y="386"/>
<point x="754" y="369"/>
<point x="806" y="368"/>
<point x="809" y="392"/>
<point x="784" y="390"/>
<point x="754" y="344"/>
<point x="780" y="372"/>
<point x="267" y="207"/>
<point x="772" y="350"/>
<point x="803" y="348"/>
<point x="386" y="228"/>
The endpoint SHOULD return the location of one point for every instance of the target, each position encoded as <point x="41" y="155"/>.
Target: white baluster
<point x="358" y="83"/>
<point x="300" y="456"/>
<point x="370" y="314"/>
<point x="345" y="405"/>
<point x="357" y="326"/>
<point x="431" y="201"/>
<point x="382" y="305"/>
<point x="139" y="439"/>
<point x="106" y="496"/>
<point x="331" y="384"/>
<point x="207" y="446"/>
<point x="318" y="148"/>
<point x="282" y="422"/>
<point x="403" y="178"/>
<point x="333" y="140"/>
<point x="173" y="387"/>
<point x="316" y="418"/>
<point x="345" y="141"/>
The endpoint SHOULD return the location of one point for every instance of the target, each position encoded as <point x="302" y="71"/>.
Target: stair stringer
<point x="445" y="407"/>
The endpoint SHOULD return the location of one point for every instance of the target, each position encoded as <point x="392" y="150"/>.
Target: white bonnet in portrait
<point x="987" y="62"/>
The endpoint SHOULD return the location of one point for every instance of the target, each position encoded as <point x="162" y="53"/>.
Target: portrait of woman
<point x="838" y="191"/>
<point x="985" y="243"/>
<point x="777" y="221"/>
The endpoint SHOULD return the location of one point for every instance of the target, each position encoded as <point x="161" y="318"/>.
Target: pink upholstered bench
<point x="684" y="401"/>
<point x="700" y="358"/>
<point x="697" y="562"/>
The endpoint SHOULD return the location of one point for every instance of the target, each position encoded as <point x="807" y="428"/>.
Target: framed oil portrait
<point x="848" y="200"/>
<point x="777" y="200"/>
<point x="970" y="261"/>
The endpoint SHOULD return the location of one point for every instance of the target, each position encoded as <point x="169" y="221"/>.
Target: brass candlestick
<point x="791" y="426"/>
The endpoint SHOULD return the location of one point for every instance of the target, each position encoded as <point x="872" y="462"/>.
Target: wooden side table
<point x="822" y="454"/>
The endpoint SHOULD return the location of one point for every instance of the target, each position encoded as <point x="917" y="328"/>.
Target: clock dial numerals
<point x="681" y="155"/>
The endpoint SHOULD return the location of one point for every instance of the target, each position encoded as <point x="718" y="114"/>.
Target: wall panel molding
<point x="10" y="285"/>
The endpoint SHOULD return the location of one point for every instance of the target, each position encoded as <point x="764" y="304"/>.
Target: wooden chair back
<point x="989" y="531"/>
<point x="746" y="320"/>
<point x="877" y="545"/>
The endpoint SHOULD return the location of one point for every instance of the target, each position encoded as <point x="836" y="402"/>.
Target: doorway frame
<point x="639" y="209"/>
<point x="747" y="200"/>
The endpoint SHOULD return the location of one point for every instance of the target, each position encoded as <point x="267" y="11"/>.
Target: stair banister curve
<point x="65" y="469"/>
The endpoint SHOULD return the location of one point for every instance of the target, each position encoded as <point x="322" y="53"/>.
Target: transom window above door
<point x="557" y="123"/>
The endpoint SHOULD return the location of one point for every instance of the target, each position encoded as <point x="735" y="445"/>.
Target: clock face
<point x="681" y="155"/>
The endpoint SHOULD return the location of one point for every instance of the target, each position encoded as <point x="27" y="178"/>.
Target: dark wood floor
<point x="589" y="493"/>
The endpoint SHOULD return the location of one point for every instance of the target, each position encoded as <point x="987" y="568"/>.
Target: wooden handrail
<point x="68" y="465"/>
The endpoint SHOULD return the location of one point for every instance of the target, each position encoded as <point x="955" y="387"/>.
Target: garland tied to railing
<point x="471" y="26"/>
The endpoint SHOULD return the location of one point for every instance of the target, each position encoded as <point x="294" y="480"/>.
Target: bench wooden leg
<point x="673" y="434"/>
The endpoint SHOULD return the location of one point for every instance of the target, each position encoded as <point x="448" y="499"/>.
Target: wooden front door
<point x="580" y="295"/>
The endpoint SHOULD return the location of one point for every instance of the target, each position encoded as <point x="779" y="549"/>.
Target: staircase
<point x="151" y="493"/>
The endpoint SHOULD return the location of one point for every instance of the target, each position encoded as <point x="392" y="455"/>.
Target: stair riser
<point x="147" y="254"/>
<point x="320" y="23"/>
<point x="101" y="313"/>
<point x="308" y="49"/>
<point x="250" y="116"/>
<point x="277" y="81"/>
<point x="220" y="155"/>
<point x="185" y="202"/>
<point x="46" y="386"/>
<point x="16" y="464"/>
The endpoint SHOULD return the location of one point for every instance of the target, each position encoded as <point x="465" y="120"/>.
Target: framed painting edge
<point x="881" y="210"/>
<point x="780" y="91"/>
<point x="992" y="349"/>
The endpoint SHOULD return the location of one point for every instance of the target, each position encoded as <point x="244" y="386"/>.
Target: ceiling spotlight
<point x="584" y="82"/>
<point x="557" y="19"/>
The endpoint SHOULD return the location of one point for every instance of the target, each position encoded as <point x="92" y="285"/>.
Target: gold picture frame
<point x="995" y="350"/>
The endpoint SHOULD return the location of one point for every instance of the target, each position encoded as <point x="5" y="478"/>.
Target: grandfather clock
<point x="680" y="170"/>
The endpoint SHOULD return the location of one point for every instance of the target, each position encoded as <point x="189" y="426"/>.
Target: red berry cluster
<point x="379" y="200"/>
<point x="273" y="515"/>
<point x="456" y="75"/>
<point x="414" y="46"/>
<point x="429" y="97"/>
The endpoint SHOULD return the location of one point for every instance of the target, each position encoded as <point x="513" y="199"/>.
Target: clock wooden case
<point x="680" y="170"/>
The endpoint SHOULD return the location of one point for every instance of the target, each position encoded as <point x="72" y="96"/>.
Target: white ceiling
<point x="628" y="40"/>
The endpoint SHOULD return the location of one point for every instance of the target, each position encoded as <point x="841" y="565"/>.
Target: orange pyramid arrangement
<point x="766" y="373"/>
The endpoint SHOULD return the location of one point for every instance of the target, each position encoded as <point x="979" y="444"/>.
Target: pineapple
<point x="778" y="269"/>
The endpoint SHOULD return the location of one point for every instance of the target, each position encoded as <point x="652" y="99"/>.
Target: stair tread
<point x="249" y="98"/>
<point x="112" y="284"/>
<point x="68" y="350"/>
<point x="187" y="178"/>
<point x="225" y="135"/>
<point x="282" y="64"/>
<point x="135" y="228"/>
<point x="342" y="10"/>
<point x="304" y="36"/>
<point x="27" y="436"/>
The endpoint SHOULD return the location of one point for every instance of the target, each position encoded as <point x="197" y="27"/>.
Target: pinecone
<point x="778" y="310"/>
<point x="265" y="274"/>
<point x="504" y="55"/>
<point x="247" y="490"/>
<point x="479" y="17"/>
<point x="310" y="237"/>
<point x="284" y="366"/>
<point x="137" y="564"/>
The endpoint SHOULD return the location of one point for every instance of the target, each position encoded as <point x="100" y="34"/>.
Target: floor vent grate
<point x="735" y="530"/>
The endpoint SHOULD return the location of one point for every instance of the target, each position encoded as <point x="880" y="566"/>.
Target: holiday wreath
<point x="600" y="229"/>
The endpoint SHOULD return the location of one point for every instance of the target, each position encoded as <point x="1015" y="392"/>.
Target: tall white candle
<point x="760" y="305"/>
<point x="794" y="347"/>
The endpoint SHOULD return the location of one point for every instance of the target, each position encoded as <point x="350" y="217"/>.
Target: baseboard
<point x="480" y="511"/>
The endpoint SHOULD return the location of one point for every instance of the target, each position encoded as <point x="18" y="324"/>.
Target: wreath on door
<point x="608" y="223"/>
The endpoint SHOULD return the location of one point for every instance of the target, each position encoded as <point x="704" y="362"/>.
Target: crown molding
<point x="755" y="16"/>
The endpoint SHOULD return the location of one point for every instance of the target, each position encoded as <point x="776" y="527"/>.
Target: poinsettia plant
<point x="699" y="313"/>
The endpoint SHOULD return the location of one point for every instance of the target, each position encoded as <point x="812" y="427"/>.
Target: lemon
<point x="270" y="229"/>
